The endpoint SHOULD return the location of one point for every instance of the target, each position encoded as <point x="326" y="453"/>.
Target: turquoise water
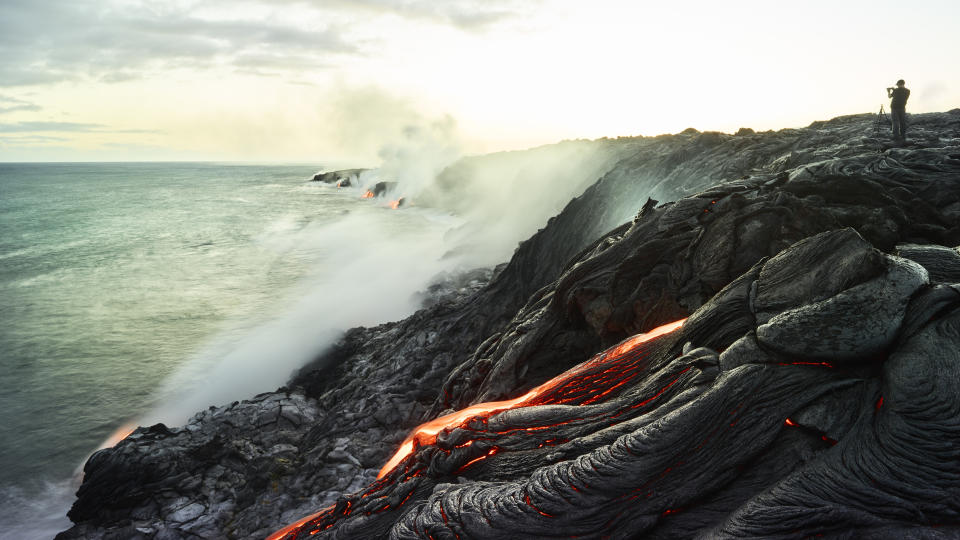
<point x="127" y="288"/>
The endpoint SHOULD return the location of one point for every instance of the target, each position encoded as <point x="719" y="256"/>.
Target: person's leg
<point x="895" y="123"/>
<point x="899" y="123"/>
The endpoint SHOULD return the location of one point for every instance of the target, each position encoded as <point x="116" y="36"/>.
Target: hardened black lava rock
<point x="812" y="391"/>
<point x="763" y="437"/>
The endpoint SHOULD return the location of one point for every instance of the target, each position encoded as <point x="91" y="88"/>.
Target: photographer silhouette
<point x="898" y="109"/>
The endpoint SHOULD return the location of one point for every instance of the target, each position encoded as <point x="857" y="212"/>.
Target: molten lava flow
<point x="466" y="465"/>
<point x="427" y="433"/>
<point x="120" y="434"/>
<point x="396" y="204"/>
<point x="294" y="527"/>
<point x="632" y="343"/>
<point x="368" y="195"/>
<point x="589" y="382"/>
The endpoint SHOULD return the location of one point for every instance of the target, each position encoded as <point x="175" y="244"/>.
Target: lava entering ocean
<point x="114" y="439"/>
<point x="594" y="380"/>
<point x="120" y="434"/>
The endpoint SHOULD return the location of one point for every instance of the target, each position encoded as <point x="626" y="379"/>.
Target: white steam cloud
<point x="416" y="160"/>
<point x="372" y="266"/>
<point x="374" y="261"/>
<point x="506" y="197"/>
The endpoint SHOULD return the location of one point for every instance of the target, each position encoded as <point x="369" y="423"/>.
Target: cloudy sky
<point x="319" y="80"/>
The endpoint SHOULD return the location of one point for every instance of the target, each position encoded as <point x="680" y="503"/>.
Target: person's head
<point x="900" y="82"/>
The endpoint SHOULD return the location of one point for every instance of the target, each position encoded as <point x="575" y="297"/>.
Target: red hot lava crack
<point x="594" y="380"/>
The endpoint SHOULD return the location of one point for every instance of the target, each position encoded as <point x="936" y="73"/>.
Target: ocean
<point x="143" y="292"/>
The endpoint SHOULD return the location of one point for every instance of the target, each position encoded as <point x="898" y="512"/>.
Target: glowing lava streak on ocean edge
<point x="120" y="434"/>
<point x="426" y="433"/>
<point x="114" y="439"/>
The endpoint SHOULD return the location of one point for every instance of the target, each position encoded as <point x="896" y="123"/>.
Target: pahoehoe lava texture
<point x="812" y="389"/>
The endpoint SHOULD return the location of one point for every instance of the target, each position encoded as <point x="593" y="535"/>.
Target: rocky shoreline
<point x="811" y="391"/>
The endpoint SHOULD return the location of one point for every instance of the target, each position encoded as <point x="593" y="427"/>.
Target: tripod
<point x="882" y="120"/>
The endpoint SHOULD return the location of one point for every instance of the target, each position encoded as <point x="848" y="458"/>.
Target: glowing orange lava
<point x="295" y="526"/>
<point x="368" y="195"/>
<point x="120" y="434"/>
<point x="427" y="433"/>
<point x="586" y="383"/>
<point x="642" y="338"/>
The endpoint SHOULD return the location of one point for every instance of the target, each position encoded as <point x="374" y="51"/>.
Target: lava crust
<point x="811" y="390"/>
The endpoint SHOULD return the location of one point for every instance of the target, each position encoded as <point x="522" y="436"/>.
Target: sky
<point x="344" y="80"/>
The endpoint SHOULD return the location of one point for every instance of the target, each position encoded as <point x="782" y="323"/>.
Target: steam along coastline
<point x="819" y="271"/>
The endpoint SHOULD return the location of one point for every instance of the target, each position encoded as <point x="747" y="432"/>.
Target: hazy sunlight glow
<point x="288" y="81"/>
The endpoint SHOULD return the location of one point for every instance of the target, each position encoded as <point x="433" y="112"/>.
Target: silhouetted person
<point x="898" y="109"/>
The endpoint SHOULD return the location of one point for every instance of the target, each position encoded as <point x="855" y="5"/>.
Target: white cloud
<point x="65" y="127"/>
<point x="464" y="14"/>
<point x="47" y="42"/>
<point x="11" y="104"/>
<point x="44" y="43"/>
<point x="38" y="127"/>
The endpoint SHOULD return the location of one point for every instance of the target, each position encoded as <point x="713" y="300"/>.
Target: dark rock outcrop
<point x="342" y="178"/>
<point x="812" y="390"/>
<point x="381" y="188"/>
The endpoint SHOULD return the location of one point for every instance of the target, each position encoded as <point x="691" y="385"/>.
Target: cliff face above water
<point x="811" y="390"/>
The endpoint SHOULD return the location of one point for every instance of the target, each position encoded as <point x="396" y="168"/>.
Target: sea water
<point x="144" y="292"/>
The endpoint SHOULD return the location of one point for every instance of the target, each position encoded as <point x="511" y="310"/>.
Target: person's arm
<point x="889" y="92"/>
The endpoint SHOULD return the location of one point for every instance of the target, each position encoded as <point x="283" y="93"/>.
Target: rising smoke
<point x="464" y="213"/>
<point x="371" y="265"/>
<point x="506" y="197"/>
